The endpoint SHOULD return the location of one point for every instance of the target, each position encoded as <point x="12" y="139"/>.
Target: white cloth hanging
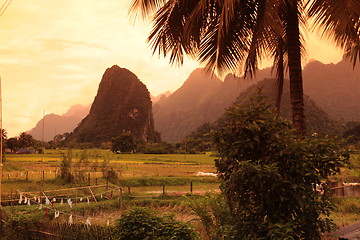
<point x="101" y="196"/>
<point x="39" y="200"/>
<point x="40" y="206"/>
<point x="108" y="223"/>
<point x="69" y="202"/>
<point x="88" y="201"/>
<point x="61" y="202"/>
<point x="81" y="199"/>
<point x="20" y="199"/>
<point x="28" y="202"/>
<point x="25" y="200"/>
<point x="57" y="214"/>
<point x="47" y="201"/>
<point x="54" y="200"/>
<point x="71" y="220"/>
<point x="88" y="223"/>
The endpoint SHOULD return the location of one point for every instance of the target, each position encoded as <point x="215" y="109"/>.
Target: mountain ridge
<point x="58" y="124"/>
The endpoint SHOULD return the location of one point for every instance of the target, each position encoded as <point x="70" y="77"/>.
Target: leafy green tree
<point x="12" y="144"/>
<point x="65" y="167"/>
<point x="25" y="140"/>
<point x="124" y="143"/>
<point x="352" y="132"/>
<point x="234" y="35"/>
<point x="268" y="175"/>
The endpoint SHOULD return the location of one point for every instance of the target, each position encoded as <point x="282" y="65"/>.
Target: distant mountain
<point x="160" y="96"/>
<point x="202" y="98"/>
<point x="335" y="88"/>
<point x="122" y="105"/>
<point x="58" y="124"/>
<point x="317" y="120"/>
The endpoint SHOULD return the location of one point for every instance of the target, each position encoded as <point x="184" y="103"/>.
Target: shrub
<point x="144" y="224"/>
<point x="111" y="176"/>
<point x="268" y="174"/>
<point x="123" y="143"/>
<point x="65" y="167"/>
<point x="215" y="216"/>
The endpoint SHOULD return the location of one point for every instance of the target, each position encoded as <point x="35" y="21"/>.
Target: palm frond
<point x="339" y="21"/>
<point x="145" y="7"/>
<point x="353" y="53"/>
<point x="167" y="35"/>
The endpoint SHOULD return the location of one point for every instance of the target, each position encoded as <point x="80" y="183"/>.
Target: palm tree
<point x="4" y="134"/>
<point x="234" y="35"/>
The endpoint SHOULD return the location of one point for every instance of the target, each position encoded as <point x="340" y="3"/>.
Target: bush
<point x="144" y="224"/>
<point x="268" y="174"/>
<point x="123" y="143"/>
<point x="65" y="167"/>
<point x="111" y="176"/>
<point x="215" y="216"/>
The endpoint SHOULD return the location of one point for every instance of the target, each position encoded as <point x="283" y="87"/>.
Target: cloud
<point x="53" y="44"/>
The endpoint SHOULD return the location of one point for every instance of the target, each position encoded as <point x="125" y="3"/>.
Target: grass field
<point x="36" y="172"/>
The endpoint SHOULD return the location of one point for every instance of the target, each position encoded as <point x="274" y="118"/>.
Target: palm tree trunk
<point x="280" y="77"/>
<point x="295" y="72"/>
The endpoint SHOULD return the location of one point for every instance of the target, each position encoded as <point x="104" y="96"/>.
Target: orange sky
<point x="53" y="55"/>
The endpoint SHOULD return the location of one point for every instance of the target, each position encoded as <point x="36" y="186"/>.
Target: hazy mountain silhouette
<point x="317" y="120"/>
<point x="122" y="105"/>
<point x="58" y="124"/>
<point x="335" y="88"/>
<point x="160" y="96"/>
<point x="202" y="98"/>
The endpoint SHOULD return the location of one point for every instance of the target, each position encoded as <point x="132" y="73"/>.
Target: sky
<point x="54" y="53"/>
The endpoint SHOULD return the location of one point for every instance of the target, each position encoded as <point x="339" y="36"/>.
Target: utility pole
<point x="42" y="132"/>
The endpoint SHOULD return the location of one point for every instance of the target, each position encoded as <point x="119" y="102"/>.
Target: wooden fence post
<point x="11" y="201"/>
<point x="191" y="187"/>
<point x="163" y="189"/>
<point x="120" y="198"/>
<point x="92" y="194"/>
<point x="89" y="179"/>
<point x="43" y="175"/>
<point x="129" y="192"/>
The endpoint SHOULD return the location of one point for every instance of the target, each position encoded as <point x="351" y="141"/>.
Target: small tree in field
<point x="123" y="143"/>
<point x="269" y="174"/>
<point x="65" y="167"/>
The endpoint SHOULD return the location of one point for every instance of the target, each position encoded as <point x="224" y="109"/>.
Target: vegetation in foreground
<point x="268" y="175"/>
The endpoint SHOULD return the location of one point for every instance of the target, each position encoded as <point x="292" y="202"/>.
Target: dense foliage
<point x="269" y="174"/>
<point x="123" y="143"/>
<point x="144" y="224"/>
<point x="214" y="214"/>
<point x="352" y="132"/>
